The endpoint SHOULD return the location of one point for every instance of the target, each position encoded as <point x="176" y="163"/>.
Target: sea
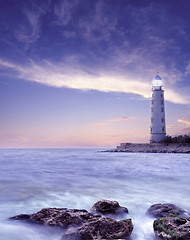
<point x="32" y="179"/>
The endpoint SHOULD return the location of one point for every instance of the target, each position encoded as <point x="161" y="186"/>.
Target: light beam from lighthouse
<point x="158" y="125"/>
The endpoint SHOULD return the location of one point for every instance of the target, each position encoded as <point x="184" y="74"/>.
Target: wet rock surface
<point x="58" y="217"/>
<point x="108" y="207"/>
<point x="83" y="225"/>
<point x="21" y="217"/>
<point x="102" y="228"/>
<point x="172" y="228"/>
<point x="166" y="210"/>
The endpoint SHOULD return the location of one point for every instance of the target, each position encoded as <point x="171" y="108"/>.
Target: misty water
<point x="32" y="179"/>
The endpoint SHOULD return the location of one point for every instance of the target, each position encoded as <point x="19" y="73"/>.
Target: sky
<point x="78" y="73"/>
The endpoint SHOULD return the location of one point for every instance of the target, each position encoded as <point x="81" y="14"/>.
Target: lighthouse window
<point x="152" y="101"/>
<point x="162" y="109"/>
<point x="151" y="109"/>
<point x="163" y="129"/>
<point x="151" y="119"/>
<point x="162" y="120"/>
<point x="161" y="95"/>
<point x="162" y="102"/>
<point x="151" y="129"/>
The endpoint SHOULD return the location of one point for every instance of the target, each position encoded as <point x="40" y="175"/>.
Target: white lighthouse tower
<point x="158" y="125"/>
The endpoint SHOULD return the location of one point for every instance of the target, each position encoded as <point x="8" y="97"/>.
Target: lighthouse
<point x="158" y="125"/>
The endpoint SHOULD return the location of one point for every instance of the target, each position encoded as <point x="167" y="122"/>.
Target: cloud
<point x="77" y="78"/>
<point x="118" y="66"/>
<point x="185" y="121"/>
<point x="185" y="130"/>
<point x="98" y="26"/>
<point x="66" y="75"/>
<point x="175" y="97"/>
<point x="64" y="11"/>
<point x="113" y="120"/>
<point x="187" y="72"/>
<point x="119" y="119"/>
<point x="171" y="126"/>
<point x="28" y="36"/>
<point x="29" y="31"/>
<point x="11" y="66"/>
<point x="69" y="34"/>
<point x="134" y="49"/>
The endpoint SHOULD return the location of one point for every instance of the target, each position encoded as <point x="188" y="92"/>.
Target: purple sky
<point x="78" y="73"/>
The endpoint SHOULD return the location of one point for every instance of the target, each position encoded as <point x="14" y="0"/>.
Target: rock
<point x="153" y="147"/>
<point x="101" y="229"/>
<point x="84" y="225"/>
<point x="166" y="210"/>
<point x="21" y="217"/>
<point x="59" y="217"/>
<point x="172" y="228"/>
<point x="108" y="207"/>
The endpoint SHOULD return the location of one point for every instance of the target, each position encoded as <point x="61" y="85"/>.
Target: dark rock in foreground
<point x="58" y="217"/>
<point x="172" y="228"/>
<point x="166" y="210"/>
<point x="102" y="228"/>
<point x="108" y="207"/>
<point x="21" y="217"/>
<point x="84" y="225"/>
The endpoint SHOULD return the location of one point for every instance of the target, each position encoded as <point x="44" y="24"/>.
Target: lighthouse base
<point x="157" y="137"/>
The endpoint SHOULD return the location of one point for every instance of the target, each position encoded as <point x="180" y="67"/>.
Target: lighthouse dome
<point x="158" y="78"/>
<point x="157" y="82"/>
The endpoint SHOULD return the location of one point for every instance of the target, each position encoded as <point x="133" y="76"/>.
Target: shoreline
<point x="152" y="148"/>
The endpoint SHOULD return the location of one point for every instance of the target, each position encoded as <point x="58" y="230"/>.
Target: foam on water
<point x="23" y="232"/>
<point x="31" y="179"/>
